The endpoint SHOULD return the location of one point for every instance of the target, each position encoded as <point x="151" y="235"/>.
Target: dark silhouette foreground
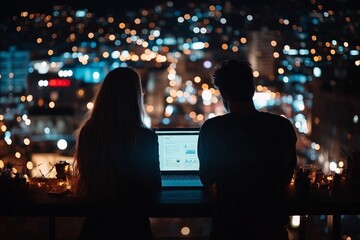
<point x="250" y="157"/>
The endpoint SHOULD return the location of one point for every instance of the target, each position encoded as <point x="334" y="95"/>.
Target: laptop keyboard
<point x="181" y="180"/>
<point x="181" y="177"/>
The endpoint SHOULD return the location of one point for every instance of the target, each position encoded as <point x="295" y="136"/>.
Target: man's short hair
<point x="235" y="79"/>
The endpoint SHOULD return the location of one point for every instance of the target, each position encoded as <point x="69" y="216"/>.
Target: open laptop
<point x="179" y="163"/>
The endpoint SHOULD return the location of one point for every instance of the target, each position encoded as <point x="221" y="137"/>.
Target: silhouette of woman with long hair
<point x="117" y="161"/>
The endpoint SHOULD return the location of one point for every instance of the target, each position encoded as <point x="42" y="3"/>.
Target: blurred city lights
<point x="29" y="165"/>
<point x="62" y="144"/>
<point x="296" y="56"/>
<point x="332" y="166"/>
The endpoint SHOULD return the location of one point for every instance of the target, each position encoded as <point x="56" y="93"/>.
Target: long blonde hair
<point x="106" y="139"/>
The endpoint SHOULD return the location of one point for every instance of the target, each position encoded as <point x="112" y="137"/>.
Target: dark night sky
<point x="102" y="7"/>
<point x="122" y="5"/>
<point x="96" y="6"/>
<point x="7" y="8"/>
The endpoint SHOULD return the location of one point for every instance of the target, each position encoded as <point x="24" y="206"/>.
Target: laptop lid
<point x="178" y="150"/>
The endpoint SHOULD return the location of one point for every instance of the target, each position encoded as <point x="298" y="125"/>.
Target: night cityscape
<point x="305" y="56"/>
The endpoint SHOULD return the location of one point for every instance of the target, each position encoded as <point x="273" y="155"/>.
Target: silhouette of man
<point x="250" y="157"/>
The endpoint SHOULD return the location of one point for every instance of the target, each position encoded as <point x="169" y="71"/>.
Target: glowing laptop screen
<point x="178" y="150"/>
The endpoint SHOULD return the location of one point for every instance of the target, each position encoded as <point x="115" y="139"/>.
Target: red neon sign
<point x="59" y="82"/>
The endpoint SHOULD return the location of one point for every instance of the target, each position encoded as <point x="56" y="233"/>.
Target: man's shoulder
<point x="216" y="120"/>
<point x="275" y="118"/>
<point x="279" y="122"/>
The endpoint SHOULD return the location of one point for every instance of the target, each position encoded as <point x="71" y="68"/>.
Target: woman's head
<point x="120" y="98"/>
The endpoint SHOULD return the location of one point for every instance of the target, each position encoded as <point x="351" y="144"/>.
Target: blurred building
<point x="260" y="52"/>
<point x="336" y="124"/>
<point x="15" y="63"/>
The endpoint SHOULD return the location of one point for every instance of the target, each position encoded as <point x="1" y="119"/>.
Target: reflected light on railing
<point x="295" y="221"/>
<point x="185" y="231"/>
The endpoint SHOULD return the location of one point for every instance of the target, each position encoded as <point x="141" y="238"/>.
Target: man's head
<point x="235" y="80"/>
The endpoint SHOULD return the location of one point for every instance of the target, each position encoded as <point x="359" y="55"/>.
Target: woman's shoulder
<point x="146" y="132"/>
